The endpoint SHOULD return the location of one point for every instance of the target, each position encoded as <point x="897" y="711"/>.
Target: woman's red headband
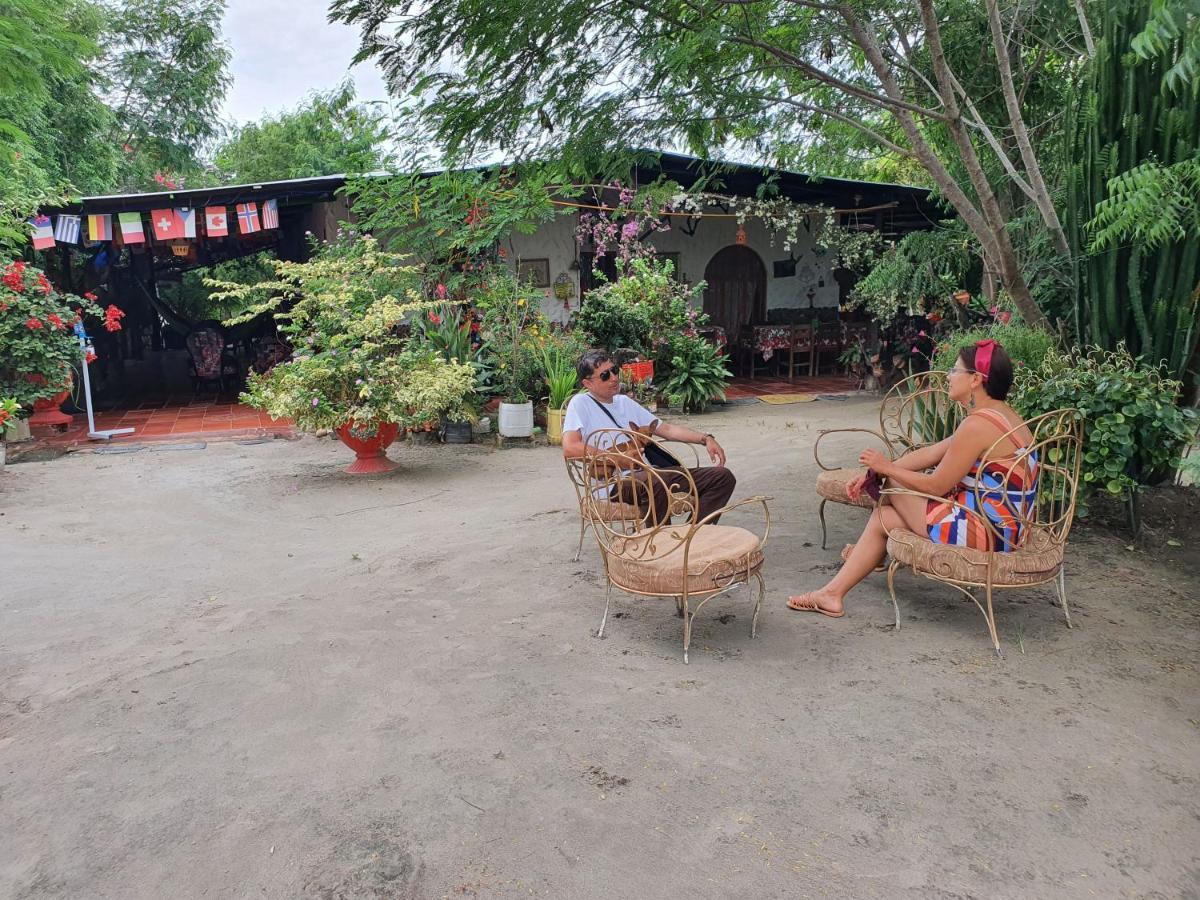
<point x="983" y="357"/>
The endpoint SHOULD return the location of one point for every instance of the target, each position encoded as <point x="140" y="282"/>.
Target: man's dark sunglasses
<point x="607" y="373"/>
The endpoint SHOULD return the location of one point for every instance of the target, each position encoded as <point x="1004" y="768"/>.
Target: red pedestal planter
<point x="370" y="447"/>
<point x="46" y="412"/>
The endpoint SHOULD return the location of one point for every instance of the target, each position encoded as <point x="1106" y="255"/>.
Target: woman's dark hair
<point x="590" y="362"/>
<point x="1000" y="372"/>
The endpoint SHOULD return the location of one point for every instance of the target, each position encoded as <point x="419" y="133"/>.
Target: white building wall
<point x="555" y="241"/>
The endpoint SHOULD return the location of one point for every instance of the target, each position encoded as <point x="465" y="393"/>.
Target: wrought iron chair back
<point x="918" y="411"/>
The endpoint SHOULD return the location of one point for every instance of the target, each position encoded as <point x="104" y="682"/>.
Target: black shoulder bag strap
<point x="656" y="455"/>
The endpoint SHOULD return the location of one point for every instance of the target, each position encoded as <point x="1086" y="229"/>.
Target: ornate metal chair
<point x="616" y="511"/>
<point x="651" y="556"/>
<point x="915" y="413"/>
<point x="1043" y="525"/>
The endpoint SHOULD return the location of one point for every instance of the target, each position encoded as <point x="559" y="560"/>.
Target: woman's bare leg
<point x="868" y="553"/>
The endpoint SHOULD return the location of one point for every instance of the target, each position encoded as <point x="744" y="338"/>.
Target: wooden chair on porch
<point x="1041" y="526"/>
<point x="916" y="412"/>
<point x="653" y="557"/>
<point x="801" y="353"/>
<point x="827" y="346"/>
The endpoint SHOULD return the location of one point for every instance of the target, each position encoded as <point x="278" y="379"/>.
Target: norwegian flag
<point x="216" y="221"/>
<point x="66" y="230"/>
<point x="43" y="234"/>
<point x="247" y="216"/>
<point x="270" y="214"/>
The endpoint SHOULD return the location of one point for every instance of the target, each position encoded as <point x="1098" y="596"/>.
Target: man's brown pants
<point x="714" y="487"/>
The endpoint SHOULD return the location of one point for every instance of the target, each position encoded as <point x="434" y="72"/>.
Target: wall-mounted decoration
<point x="740" y="238"/>
<point x="535" y="271"/>
<point x="784" y="268"/>
<point x="564" y="287"/>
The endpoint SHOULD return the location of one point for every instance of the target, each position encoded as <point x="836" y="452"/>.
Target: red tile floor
<point x="741" y="388"/>
<point x="173" y="420"/>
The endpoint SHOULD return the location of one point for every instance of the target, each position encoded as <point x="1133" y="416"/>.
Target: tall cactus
<point x="1141" y="292"/>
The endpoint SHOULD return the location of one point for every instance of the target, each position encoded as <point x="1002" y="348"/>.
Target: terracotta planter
<point x="554" y="423"/>
<point x="370" y="448"/>
<point x="47" y="413"/>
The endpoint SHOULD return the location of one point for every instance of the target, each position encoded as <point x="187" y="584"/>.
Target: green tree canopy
<point x="329" y="134"/>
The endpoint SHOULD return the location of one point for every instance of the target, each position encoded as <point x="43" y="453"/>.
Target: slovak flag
<point x="43" y="234"/>
<point x="216" y="221"/>
<point x="247" y="216"/>
<point x="100" y="227"/>
<point x="270" y="214"/>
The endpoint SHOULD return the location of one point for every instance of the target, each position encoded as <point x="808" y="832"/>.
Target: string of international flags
<point x="173" y="224"/>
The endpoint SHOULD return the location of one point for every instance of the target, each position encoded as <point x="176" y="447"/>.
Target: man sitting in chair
<point x="603" y="406"/>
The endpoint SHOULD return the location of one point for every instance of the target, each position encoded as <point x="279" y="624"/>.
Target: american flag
<point x="270" y="214"/>
<point x="247" y="215"/>
<point x="66" y="230"/>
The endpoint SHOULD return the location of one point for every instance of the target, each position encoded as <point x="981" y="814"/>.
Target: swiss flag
<point x="216" y="222"/>
<point x="167" y="224"/>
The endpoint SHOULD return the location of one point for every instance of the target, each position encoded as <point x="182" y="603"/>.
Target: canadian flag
<point x="216" y="222"/>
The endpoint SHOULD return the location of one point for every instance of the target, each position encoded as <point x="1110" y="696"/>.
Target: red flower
<point x="90" y="357"/>
<point x="503" y="253"/>
<point x="44" y="284"/>
<point x="54" y="320"/>
<point x="435" y="318"/>
<point x="112" y="318"/>
<point x="33" y="324"/>
<point x="440" y="290"/>
<point x="13" y="281"/>
<point x="1004" y="317"/>
<point x="90" y="296"/>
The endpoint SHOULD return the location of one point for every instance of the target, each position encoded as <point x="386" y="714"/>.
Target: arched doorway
<point x="736" y="294"/>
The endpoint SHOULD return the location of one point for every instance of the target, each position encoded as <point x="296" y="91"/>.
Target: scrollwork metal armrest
<point x="720" y="512"/>
<point x="891" y="451"/>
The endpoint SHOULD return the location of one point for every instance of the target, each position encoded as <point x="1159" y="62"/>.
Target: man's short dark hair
<point x="590" y="362"/>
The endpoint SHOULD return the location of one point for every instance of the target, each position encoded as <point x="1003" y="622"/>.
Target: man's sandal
<point x="806" y="603"/>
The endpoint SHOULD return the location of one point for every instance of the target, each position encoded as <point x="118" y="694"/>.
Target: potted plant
<point x="8" y="422"/>
<point x="561" y="383"/>
<point x="450" y="330"/>
<point x="355" y="373"/>
<point x="509" y="312"/>
<point x="38" y="347"/>
<point x="698" y="374"/>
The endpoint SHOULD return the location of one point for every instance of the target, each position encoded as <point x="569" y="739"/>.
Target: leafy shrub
<point x="1134" y="431"/>
<point x="612" y="323"/>
<point x="1027" y="347"/>
<point x="698" y="374"/>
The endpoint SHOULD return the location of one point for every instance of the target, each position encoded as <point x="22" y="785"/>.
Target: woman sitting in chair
<point x="980" y="380"/>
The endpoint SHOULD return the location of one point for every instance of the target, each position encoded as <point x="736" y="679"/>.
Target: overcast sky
<point x="284" y="50"/>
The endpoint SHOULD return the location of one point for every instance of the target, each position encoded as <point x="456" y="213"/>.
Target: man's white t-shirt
<point x="585" y="416"/>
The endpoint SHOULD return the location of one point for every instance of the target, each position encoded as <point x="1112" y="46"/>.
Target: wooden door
<point x="736" y="292"/>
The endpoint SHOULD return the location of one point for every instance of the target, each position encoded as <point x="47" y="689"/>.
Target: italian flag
<point x="131" y="228"/>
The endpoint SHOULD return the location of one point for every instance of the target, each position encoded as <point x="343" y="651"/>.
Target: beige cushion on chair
<point x="1036" y="562"/>
<point x="717" y="553"/>
<point x="832" y="486"/>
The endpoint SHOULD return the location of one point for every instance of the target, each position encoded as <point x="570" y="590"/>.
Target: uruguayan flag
<point x="66" y="230"/>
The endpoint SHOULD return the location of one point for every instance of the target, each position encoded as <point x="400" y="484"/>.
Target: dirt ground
<point x="236" y="672"/>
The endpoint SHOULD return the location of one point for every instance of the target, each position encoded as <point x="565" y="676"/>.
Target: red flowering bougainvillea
<point x="37" y="346"/>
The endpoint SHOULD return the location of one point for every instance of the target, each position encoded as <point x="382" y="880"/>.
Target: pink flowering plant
<point x="38" y="347"/>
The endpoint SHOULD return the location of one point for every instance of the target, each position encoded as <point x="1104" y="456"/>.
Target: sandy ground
<point x="237" y="672"/>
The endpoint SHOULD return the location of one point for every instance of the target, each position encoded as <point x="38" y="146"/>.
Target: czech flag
<point x="43" y="234"/>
